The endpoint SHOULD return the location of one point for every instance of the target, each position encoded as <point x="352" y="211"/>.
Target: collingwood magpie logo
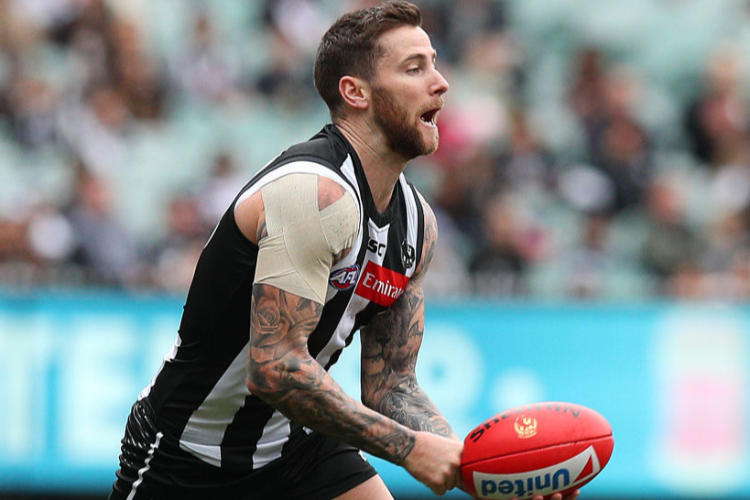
<point x="408" y="254"/>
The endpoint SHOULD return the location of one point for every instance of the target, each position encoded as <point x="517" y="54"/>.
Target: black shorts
<point x="319" y="468"/>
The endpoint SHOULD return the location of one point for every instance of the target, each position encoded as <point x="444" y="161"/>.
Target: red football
<point x="537" y="449"/>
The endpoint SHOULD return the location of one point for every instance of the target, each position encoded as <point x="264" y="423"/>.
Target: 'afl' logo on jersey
<point x="345" y="278"/>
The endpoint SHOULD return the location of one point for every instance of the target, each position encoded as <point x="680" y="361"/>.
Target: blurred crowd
<point x="574" y="163"/>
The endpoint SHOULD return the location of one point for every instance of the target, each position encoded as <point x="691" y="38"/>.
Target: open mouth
<point x="430" y="117"/>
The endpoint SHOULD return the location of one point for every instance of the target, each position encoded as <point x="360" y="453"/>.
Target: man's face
<point x="407" y="92"/>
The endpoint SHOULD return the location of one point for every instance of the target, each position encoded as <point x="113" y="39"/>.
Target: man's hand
<point x="435" y="461"/>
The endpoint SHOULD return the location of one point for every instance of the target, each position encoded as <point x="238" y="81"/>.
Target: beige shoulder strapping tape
<point x="302" y="240"/>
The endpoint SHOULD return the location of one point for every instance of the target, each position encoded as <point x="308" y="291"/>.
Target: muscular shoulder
<point x="430" y="236"/>
<point x="305" y="224"/>
<point x="293" y="192"/>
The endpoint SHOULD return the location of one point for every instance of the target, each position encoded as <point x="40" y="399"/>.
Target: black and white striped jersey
<point x="199" y="396"/>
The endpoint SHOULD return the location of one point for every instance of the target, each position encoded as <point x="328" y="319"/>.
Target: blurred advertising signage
<point x="702" y="380"/>
<point x="674" y="383"/>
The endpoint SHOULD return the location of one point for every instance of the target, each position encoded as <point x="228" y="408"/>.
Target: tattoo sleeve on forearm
<point x="389" y="356"/>
<point x="282" y="372"/>
<point x="390" y="345"/>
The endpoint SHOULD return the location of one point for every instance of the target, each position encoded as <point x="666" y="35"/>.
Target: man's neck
<point x="381" y="165"/>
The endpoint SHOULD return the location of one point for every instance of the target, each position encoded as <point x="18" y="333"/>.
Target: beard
<point x="402" y="135"/>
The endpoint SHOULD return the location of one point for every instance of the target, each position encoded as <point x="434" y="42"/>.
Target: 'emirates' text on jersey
<point x="199" y="394"/>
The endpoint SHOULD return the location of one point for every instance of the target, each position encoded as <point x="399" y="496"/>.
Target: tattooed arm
<point x="390" y="345"/>
<point x="282" y="372"/>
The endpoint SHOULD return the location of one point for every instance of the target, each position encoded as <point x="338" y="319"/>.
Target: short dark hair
<point x="350" y="46"/>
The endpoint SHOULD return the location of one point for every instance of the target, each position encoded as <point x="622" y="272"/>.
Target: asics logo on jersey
<point x="376" y="247"/>
<point x="381" y="285"/>
<point x="345" y="278"/>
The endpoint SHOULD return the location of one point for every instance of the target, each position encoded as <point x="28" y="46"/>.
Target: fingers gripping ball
<point x="538" y="449"/>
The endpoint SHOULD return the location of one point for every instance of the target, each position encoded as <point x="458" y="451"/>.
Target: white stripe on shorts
<point x="146" y="465"/>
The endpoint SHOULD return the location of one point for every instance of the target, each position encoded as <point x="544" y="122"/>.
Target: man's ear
<point x="355" y="92"/>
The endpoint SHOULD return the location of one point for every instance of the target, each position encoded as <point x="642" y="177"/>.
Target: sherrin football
<point x="537" y="449"/>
